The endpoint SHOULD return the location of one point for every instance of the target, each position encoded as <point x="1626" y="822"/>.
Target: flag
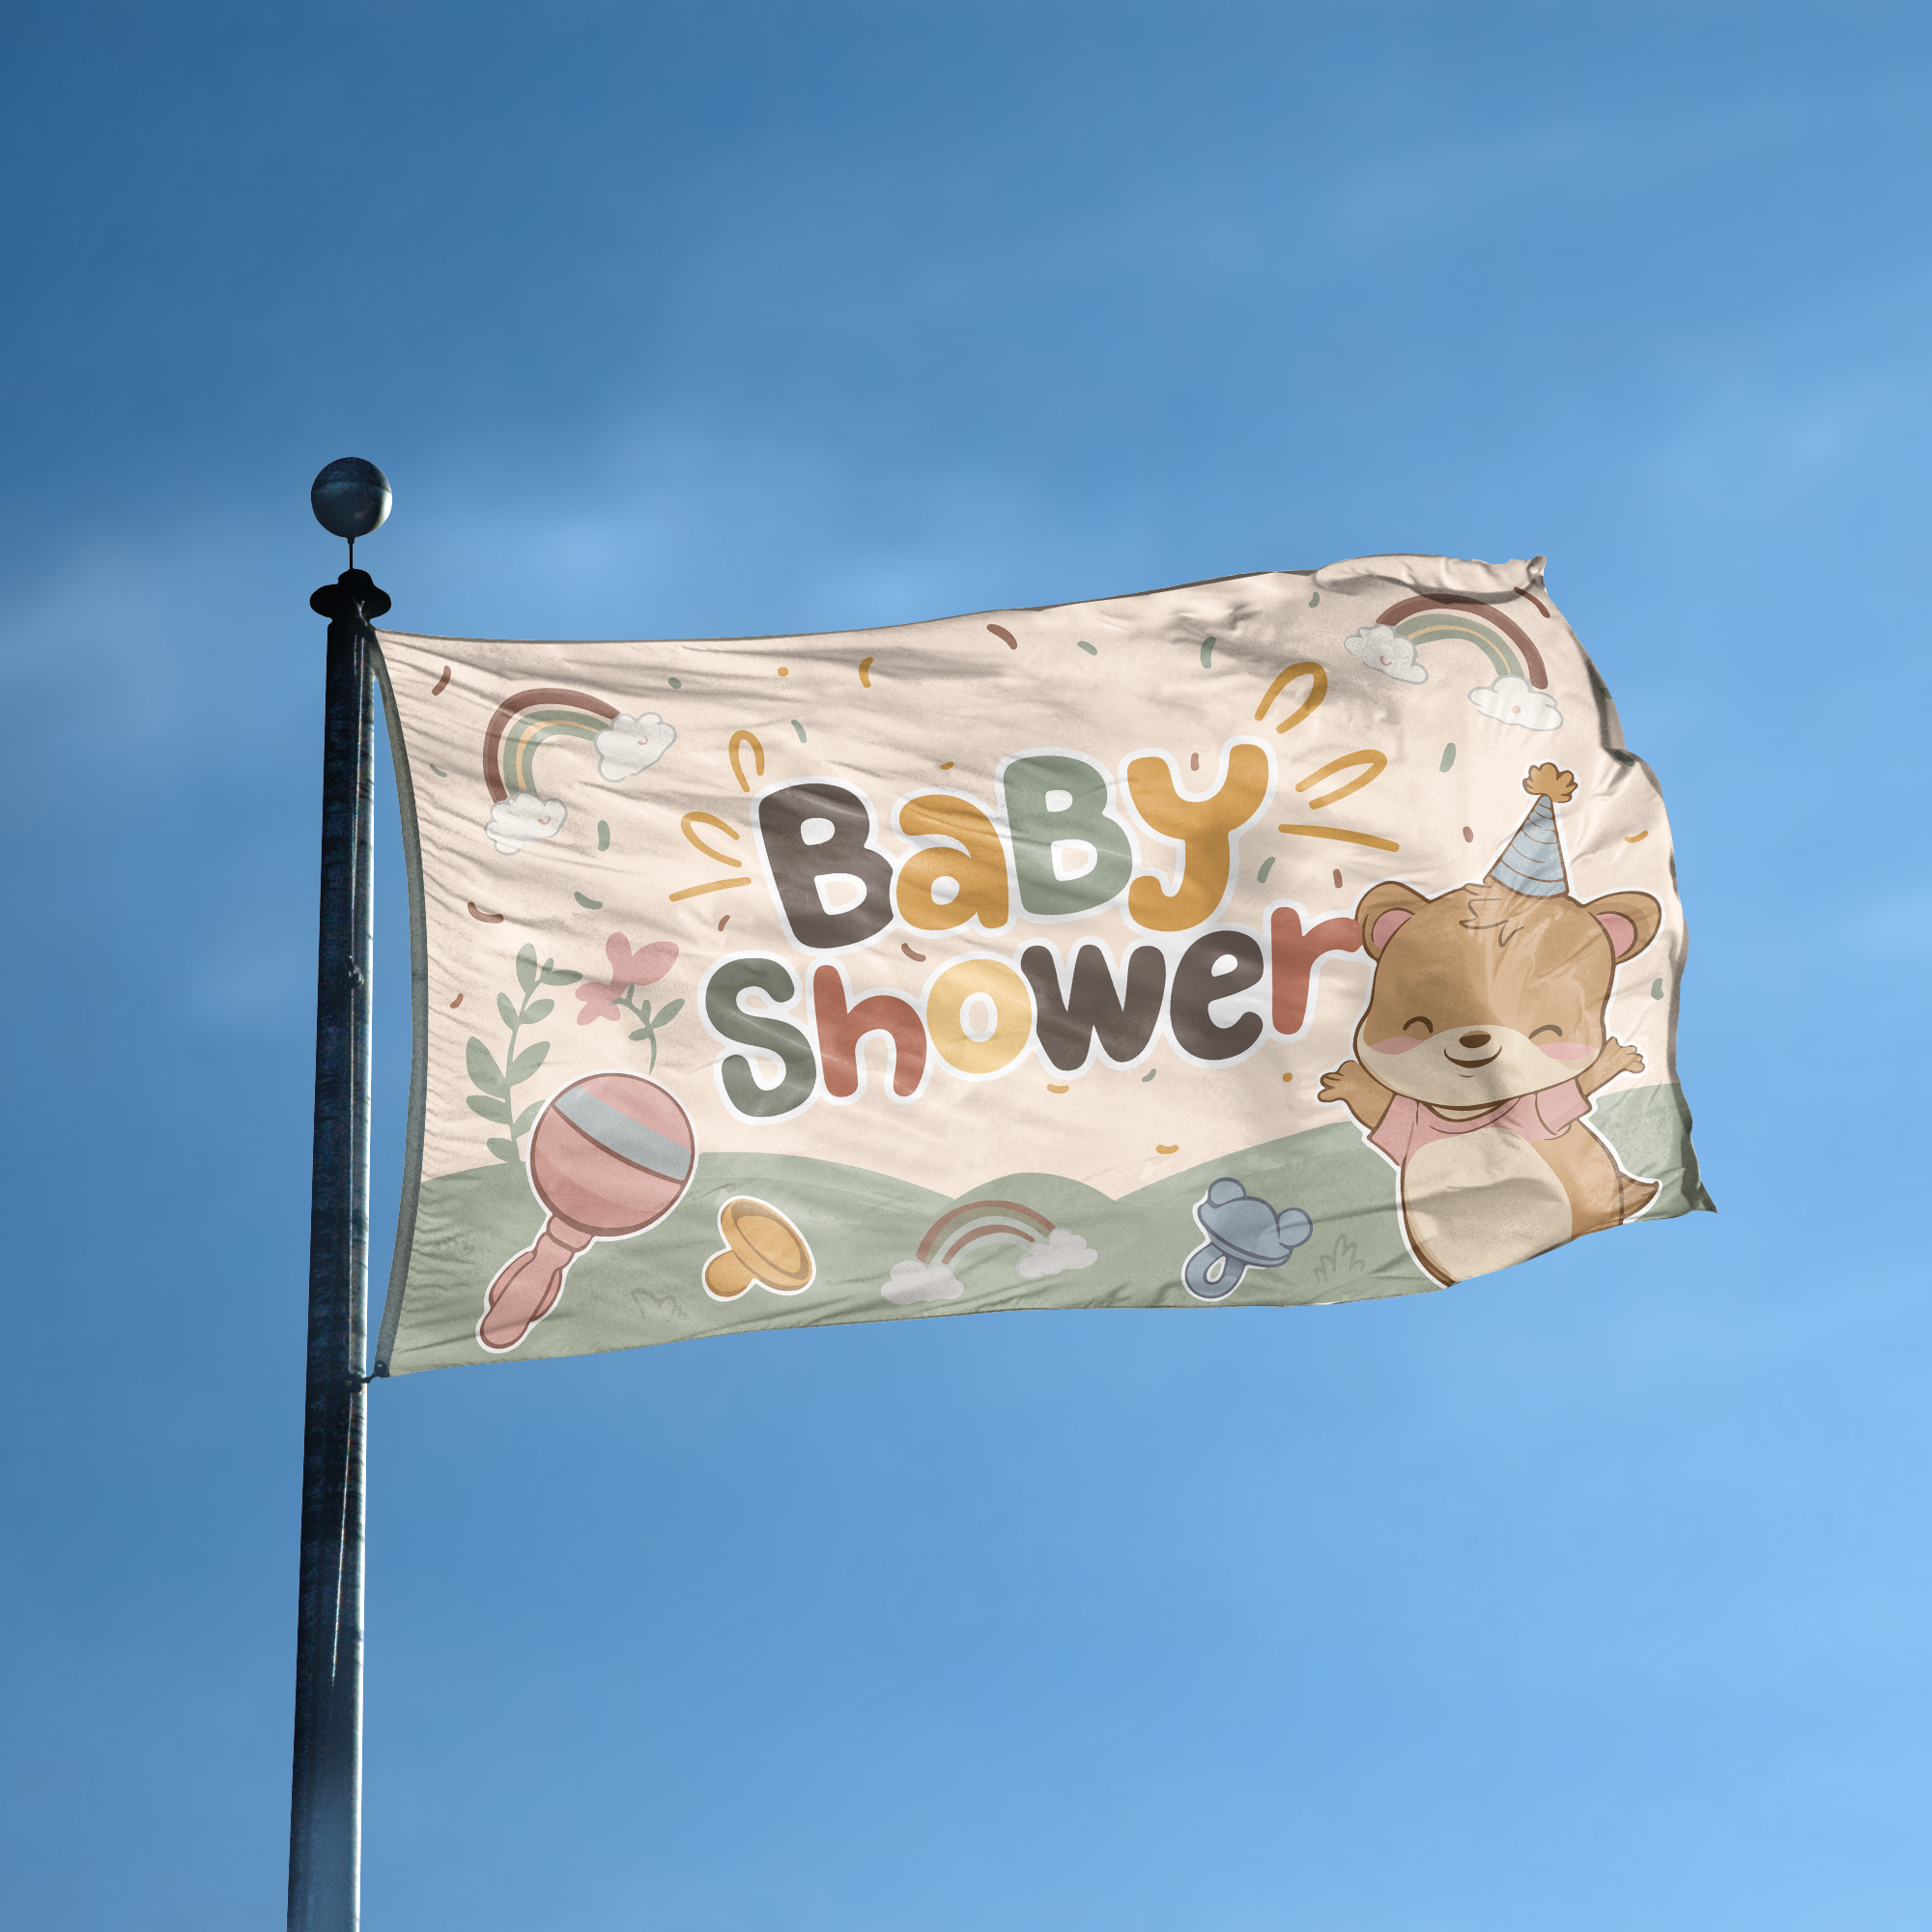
<point x="1289" y="939"/>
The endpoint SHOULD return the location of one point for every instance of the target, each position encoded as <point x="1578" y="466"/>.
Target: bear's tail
<point x="1547" y="782"/>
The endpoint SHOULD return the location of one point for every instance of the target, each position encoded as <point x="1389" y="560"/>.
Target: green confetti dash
<point x="1314" y="600"/>
<point x="591" y="905"/>
<point x="1090" y="650"/>
<point x="1448" y="757"/>
<point x="1207" y="653"/>
<point x="1261" y="877"/>
<point x="677" y="684"/>
<point x="1148" y="1075"/>
<point x="439" y="771"/>
<point x="1657" y="989"/>
<point x="800" y="729"/>
<point x="603" y="835"/>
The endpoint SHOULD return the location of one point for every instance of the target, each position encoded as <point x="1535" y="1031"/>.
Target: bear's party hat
<point x="1532" y="864"/>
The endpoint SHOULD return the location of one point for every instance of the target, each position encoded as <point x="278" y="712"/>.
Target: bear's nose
<point x="1475" y="1039"/>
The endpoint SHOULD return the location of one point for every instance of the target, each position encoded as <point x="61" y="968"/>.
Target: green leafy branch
<point x="649" y="1029"/>
<point x="495" y="1084"/>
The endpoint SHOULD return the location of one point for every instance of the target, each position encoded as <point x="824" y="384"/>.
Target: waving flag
<point x="1286" y="939"/>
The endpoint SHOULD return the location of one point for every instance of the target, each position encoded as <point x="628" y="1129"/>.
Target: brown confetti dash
<point x="1160" y="1148"/>
<point x="488" y="917"/>
<point x="442" y="684"/>
<point x="1052" y="1089"/>
<point x="911" y="955"/>
<point x="1194" y="762"/>
<point x="455" y="1002"/>
<point x="1468" y="836"/>
<point x="866" y="672"/>
<point x="1005" y="636"/>
<point x="1338" y="878"/>
<point x="725" y="921"/>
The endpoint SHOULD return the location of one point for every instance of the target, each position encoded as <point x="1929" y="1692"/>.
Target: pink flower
<point x="641" y="968"/>
<point x="627" y="969"/>
<point x="600" y="1002"/>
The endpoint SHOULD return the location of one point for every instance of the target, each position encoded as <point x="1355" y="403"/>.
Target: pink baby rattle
<point x="609" y="1155"/>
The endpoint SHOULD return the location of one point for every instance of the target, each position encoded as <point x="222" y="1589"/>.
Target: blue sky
<point x="1591" y="1595"/>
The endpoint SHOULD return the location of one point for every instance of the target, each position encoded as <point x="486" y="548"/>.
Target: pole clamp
<point x="354" y="597"/>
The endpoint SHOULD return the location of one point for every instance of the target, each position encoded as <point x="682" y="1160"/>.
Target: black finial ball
<point x="351" y="497"/>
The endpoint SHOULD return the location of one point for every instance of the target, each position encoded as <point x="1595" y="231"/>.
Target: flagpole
<point x="351" y="498"/>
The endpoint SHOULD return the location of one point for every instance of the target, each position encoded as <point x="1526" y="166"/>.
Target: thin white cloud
<point x="1387" y="651"/>
<point x="524" y="820"/>
<point x="1062" y="1249"/>
<point x="1511" y="701"/>
<point x="922" y="1281"/>
<point x="628" y="744"/>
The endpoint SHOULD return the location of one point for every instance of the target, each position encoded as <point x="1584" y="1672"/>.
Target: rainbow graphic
<point x="959" y="1227"/>
<point x="1046" y="1250"/>
<point x="530" y="719"/>
<point x="1443" y="619"/>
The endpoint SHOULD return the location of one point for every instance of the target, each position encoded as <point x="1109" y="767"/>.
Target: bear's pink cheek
<point x="1401" y="1043"/>
<point x="1567" y="1049"/>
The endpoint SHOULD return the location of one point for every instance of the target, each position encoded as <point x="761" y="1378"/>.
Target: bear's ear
<point x="1384" y="910"/>
<point x="1630" y="918"/>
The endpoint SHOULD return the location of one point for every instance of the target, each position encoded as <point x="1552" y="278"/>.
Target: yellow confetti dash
<point x="709" y="885"/>
<point x="1317" y="690"/>
<point x="866" y="672"/>
<point x="739" y="740"/>
<point x="1636" y="838"/>
<point x="1375" y="764"/>
<point x="1159" y="1147"/>
<point x="1285" y="1077"/>
<point x="947" y="766"/>
<point x="1052" y="1089"/>
<point x="692" y="818"/>
<point x="782" y="672"/>
<point x="1347" y="838"/>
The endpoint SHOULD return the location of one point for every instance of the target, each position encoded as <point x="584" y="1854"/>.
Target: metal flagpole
<point x="351" y="498"/>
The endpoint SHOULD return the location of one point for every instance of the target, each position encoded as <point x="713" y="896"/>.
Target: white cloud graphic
<point x="1062" y="1249"/>
<point x="628" y="744"/>
<point x="922" y="1281"/>
<point x="1387" y="651"/>
<point x="1511" y="702"/>
<point x="522" y="820"/>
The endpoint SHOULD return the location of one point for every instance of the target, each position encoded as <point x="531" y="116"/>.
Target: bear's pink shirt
<point x="1537" y="1117"/>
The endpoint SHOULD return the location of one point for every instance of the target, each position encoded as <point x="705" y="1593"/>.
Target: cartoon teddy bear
<point x="1481" y="1044"/>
